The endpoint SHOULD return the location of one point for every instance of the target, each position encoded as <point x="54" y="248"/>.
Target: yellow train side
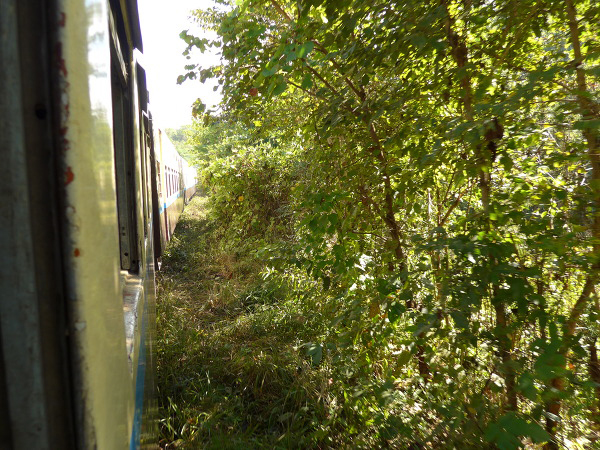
<point x="84" y="177"/>
<point x="178" y="184"/>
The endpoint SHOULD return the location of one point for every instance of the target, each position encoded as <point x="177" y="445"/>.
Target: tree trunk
<point x="588" y="111"/>
<point x="484" y="161"/>
<point x="594" y="369"/>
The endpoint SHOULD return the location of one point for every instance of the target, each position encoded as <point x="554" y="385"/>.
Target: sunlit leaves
<point x="506" y="433"/>
<point x="442" y="196"/>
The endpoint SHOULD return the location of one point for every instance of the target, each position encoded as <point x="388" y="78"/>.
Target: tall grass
<point x="232" y="368"/>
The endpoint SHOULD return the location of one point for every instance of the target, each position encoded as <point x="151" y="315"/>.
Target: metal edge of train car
<point x="63" y="358"/>
<point x="104" y="399"/>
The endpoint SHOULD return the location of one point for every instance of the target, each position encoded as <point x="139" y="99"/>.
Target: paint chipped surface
<point x="81" y="61"/>
<point x="62" y="65"/>
<point x="69" y="175"/>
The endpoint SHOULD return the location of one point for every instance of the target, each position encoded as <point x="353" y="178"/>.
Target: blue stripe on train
<point x="169" y="201"/>
<point x="140" y="378"/>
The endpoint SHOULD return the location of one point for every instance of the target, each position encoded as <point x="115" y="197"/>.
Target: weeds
<point x="232" y="370"/>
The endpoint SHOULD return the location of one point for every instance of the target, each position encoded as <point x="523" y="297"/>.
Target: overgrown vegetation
<point x="179" y="137"/>
<point x="429" y="172"/>
<point x="233" y="367"/>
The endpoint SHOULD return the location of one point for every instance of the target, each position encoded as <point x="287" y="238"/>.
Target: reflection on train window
<point x="124" y="155"/>
<point x="159" y="179"/>
<point x="144" y="138"/>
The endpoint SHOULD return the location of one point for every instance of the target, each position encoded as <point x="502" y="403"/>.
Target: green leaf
<point x="315" y="351"/>
<point x="305" y="49"/>
<point x="506" y="432"/>
<point x="507" y="162"/>
<point x="307" y="82"/>
<point x="269" y="72"/>
<point x="280" y="88"/>
<point x="394" y="311"/>
<point x="326" y="282"/>
<point x="492" y="432"/>
<point x="384" y="287"/>
<point x="537" y="433"/>
<point x="460" y="319"/>
<point x="526" y="386"/>
<point x="403" y="358"/>
<point x="587" y="124"/>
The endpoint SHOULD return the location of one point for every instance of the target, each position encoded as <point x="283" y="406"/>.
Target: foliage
<point x="435" y="166"/>
<point x="231" y="371"/>
<point x="180" y="138"/>
<point x="249" y="181"/>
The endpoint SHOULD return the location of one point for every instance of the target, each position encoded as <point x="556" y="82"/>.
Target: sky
<point x="161" y="23"/>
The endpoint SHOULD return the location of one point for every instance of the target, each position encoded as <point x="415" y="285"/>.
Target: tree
<point x="449" y="193"/>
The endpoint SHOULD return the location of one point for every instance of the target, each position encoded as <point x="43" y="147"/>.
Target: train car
<point x="190" y="182"/>
<point x="83" y="184"/>
<point x="177" y="185"/>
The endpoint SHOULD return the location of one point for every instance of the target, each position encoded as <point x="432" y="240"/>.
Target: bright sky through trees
<point x="161" y="24"/>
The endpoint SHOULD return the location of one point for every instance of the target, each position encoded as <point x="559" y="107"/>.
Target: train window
<point x="159" y="179"/>
<point x="124" y="155"/>
<point x="143" y="139"/>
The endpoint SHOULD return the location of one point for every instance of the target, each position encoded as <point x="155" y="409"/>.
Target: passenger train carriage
<point x="178" y="184"/>
<point x="91" y="191"/>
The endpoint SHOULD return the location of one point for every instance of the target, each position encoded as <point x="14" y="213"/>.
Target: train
<point x="179" y="185"/>
<point x="91" y="192"/>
